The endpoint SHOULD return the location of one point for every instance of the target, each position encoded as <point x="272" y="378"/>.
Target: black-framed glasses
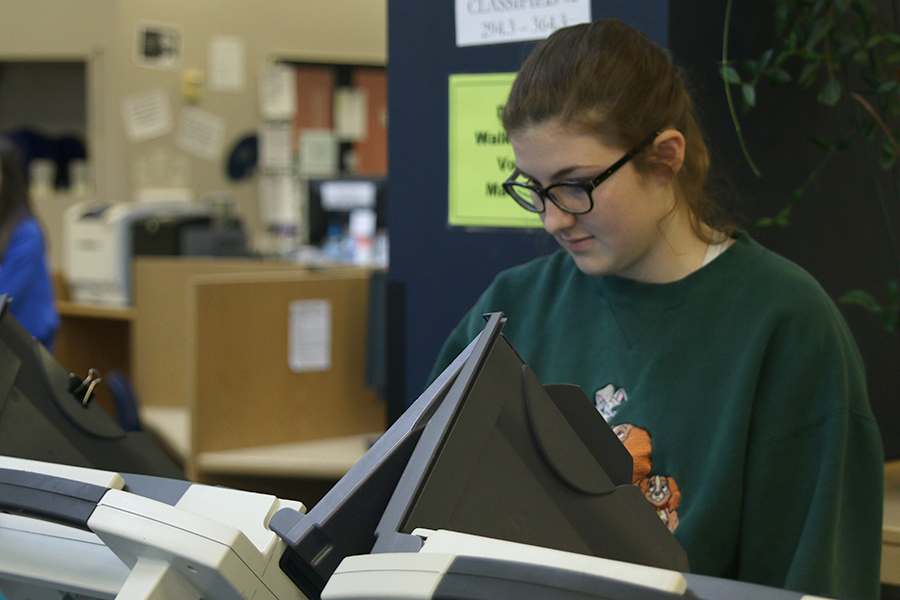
<point x="574" y="197"/>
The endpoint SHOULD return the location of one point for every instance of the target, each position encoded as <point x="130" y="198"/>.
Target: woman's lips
<point x="576" y="244"/>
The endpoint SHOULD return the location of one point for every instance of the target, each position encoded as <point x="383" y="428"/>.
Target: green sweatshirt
<point x="740" y="393"/>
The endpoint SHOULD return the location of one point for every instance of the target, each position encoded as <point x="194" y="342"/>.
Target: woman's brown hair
<point x="14" y="201"/>
<point x="608" y="79"/>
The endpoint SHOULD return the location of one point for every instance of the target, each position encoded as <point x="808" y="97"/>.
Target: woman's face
<point x="626" y="232"/>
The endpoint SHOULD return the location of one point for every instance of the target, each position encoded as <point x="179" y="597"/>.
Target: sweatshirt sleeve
<point x="813" y="501"/>
<point x="20" y="267"/>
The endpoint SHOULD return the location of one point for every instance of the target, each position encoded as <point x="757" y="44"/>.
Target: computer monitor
<point x="332" y="199"/>
<point x="486" y="450"/>
<point x="43" y="415"/>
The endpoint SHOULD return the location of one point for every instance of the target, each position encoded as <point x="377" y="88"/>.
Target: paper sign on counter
<point x="309" y="337"/>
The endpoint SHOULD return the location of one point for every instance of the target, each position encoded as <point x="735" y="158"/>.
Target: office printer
<point x="97" y="242"/>
<point x="100" y="241"/>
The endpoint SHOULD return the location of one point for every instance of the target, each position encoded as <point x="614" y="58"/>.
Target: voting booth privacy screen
<point x="486" y="450"/>
<point x="46" y="413"/>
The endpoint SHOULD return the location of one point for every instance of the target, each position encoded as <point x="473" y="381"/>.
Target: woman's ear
<point x="669" y="150"/>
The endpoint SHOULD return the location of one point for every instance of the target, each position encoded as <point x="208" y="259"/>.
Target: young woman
<point x="725" y="369"/>
<point x="23" y="264"/>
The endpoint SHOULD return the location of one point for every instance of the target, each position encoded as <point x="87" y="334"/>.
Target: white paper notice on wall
<point x="147" y="115"/>
<point x="351" y="112"/>
<point x="226" y="64"/>
<point x="278" y="92"/>
<point x="275" y="152"/>
<point x="201" y="133"/>
<point x="483" y="22"/>
<point x="318" y="152"/>
<point x="309" y="336"/>
<point x="279" y="202"/>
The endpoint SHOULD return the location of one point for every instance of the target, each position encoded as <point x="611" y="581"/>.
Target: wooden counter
<point x="890" y="531"/>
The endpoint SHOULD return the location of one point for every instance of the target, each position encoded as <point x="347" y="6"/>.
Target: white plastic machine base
<point x="453" y="565"/>
<point x="213" y="543"/>
<point x="421" y="575"/>
<point x="197" y="541"/>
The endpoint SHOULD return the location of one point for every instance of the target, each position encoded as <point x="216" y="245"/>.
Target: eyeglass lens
<point x="568" y="197"/>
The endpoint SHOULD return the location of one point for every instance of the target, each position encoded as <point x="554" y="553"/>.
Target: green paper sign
<point x="481" y="157"/>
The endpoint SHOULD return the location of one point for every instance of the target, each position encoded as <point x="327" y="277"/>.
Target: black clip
<point x="77" y="386"/>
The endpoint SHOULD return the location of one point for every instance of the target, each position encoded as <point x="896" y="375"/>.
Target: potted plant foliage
<point x="846" y="53"/>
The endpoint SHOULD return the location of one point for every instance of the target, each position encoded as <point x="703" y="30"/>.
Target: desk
<point x="94" y="337"/>
<point x="171" y="425"/>
<point x="306" y="470"/>
<point x="890" y="549"/>
<point x="67" y="308"/>
<point x="317" y="459"/>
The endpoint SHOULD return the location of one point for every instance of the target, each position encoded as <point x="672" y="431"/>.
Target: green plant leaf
<point x="862" y="298"/>
<point x="844" y="143"/>
<point x="818" y="31"/>
<point x="808" y="54"/>
<point x="821" y="142"/>
<point x="870" y="128"/>
<point x="749" y="93"/>
<point x="893" y="292"/>
<point x="873" y="41"/>
<point x="888" y="87"/>
<point x="864" y="7"/>
<point x="844" y="47"/>
<point x="818" y="6"/>
<point x="830" y="93"/>
<point x="790" y="41"/>
<point x="730" y="74"/>
<point x="809" y="73"/>
<point x="781" y="219"/>
<point x="888" y="156"/>
<point x="777" y="75"/>
<point x="871" y="78"/>
<point x="888" y="315"/>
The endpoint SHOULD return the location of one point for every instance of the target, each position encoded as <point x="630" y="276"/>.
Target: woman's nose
<point x="555" y="219"/>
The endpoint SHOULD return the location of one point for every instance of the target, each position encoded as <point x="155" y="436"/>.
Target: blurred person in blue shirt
<point x="24" y="273"/>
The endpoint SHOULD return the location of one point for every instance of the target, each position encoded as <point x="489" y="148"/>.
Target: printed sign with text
<point x="482" y="22"/>
<point x="481" y="157"/>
